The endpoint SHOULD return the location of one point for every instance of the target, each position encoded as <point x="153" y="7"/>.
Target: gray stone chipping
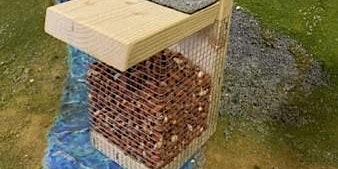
<point x="263" y="67"/>
<point x="187" y="6"/>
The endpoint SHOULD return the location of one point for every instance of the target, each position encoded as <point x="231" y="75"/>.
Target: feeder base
<point x="117" y="155"/>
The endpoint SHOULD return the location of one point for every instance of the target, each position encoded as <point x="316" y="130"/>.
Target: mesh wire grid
<point x="159" y="108"/>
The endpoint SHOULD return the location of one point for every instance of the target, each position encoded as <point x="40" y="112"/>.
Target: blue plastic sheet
<point x="68" y="140"/>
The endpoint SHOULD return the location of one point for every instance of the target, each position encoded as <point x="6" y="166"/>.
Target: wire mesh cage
<point x="154" y="87"/>
<point x="159" y="112"/>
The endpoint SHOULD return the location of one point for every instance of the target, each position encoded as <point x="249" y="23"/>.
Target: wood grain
<point x="123" y="33"/>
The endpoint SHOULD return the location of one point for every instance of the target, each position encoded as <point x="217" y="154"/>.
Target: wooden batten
<point x="123" y="33"/>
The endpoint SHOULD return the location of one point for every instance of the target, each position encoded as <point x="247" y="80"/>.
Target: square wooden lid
<point x="123" y="33"/>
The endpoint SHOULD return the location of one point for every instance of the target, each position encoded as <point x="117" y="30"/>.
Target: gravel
<point x="263" y="67"/>
<point x="187" y="6"/>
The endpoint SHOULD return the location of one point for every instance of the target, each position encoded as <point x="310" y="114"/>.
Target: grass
<point x="295" y="18"/>
<point x="248" y="149"/>
<point x="314" y="23"/>
<point x="32" y="70"/>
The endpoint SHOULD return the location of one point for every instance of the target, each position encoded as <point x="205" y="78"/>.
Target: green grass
<point x="32" y="70"/>
<point x="288" y="17"/>
<point x="291" y="147"/>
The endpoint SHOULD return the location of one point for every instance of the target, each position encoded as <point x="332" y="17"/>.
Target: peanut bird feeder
<point x="154" y="89"/>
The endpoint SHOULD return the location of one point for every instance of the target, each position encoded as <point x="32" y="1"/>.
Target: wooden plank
<point x="164" y="38"/>
<point x="123" y="33"/>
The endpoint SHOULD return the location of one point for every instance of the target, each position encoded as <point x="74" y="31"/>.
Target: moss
<point x="268" y="36"/>
<point x="303" y="60"/>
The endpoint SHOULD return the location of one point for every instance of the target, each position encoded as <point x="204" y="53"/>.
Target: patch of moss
<point x="268" y="36"/>
<point x="303" y="60"/>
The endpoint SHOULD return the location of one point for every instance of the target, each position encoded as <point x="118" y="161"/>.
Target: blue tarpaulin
<point x="68" y="140"/>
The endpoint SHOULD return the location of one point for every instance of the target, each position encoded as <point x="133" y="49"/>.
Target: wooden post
<point x="222" y="11"/>
<point x="221" y="29"/>
<point x="223" y="19"/>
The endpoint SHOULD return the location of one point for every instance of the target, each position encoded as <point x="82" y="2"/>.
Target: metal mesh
<point x="153" y="111"/>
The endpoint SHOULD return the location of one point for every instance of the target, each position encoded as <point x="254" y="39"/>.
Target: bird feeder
<point x="154" y="89"/>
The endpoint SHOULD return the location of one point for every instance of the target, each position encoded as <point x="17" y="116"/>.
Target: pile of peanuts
<point x="153" y="110"/>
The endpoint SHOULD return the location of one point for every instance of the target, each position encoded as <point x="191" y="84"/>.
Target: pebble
<point x="238" y="8"/>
